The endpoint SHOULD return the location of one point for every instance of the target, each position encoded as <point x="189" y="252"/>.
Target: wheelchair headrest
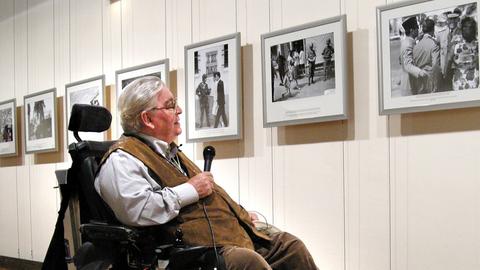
<point x="89" y="118"/>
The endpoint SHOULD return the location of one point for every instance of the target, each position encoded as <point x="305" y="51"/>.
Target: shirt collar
<point x="159" y="146"/>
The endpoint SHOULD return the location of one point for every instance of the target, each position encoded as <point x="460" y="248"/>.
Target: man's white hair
<point x="136" y="97"/>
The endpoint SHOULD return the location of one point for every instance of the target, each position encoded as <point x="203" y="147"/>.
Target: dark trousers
<point x="221" y="113"/>
<point x="286" y="252"/>
<point x="204" y="111"/>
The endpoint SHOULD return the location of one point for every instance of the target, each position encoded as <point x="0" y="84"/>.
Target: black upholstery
<point x="85" y="159"/>
<point x="89" y="118"/>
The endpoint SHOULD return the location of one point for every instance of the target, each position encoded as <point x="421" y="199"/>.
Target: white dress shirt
<point x="134" y="196"/>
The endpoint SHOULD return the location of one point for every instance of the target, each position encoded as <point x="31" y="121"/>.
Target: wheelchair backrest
<point x="86" y="156"/>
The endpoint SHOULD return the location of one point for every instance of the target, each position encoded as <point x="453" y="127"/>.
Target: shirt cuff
<point x="186" y="194"/>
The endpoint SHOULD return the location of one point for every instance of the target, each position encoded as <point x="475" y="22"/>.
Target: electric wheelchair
<point x="106" y="243"/>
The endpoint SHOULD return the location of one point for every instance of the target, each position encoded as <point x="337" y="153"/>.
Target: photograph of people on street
<point x="303" y="68"/>
<point x="6" y="125"/>
<point x="39" y="117"/>
<point x="434" y="51"/>
<point x="211" y="78"/>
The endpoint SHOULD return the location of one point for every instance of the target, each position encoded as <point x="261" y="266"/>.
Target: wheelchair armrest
<point x="103" y="232"/>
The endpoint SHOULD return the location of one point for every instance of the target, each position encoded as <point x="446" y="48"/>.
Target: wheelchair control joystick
<point x="179" y="239"/>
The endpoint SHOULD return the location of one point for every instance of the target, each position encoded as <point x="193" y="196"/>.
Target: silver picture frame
<point x="124" y="76"/>
<point x="89" y="91"/>
<point x="304" y="73"/>
<point x="40" y="122"/>
<point x="213" y="89"/>
<point x="8" y="128"/>
<point x="409" y="82"/>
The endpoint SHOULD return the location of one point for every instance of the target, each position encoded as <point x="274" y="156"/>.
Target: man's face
<point x="452" y="23"/>
<point x="164" y="119"/>
<point x="215" y="78"/>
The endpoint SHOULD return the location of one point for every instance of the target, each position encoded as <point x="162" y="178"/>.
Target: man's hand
<point x="253" y="216"/>
<point x="203" y="184"/>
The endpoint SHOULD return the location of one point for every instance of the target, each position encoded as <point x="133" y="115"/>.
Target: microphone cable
<point x="211" y="234"/>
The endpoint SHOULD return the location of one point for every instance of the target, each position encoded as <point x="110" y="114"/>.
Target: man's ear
<point x="146" y="120"/>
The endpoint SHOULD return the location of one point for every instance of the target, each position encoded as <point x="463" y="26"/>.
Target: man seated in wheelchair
<point x="147" y="182"/>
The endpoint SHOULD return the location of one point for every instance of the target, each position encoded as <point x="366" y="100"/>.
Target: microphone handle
<point x="207" y="165"/>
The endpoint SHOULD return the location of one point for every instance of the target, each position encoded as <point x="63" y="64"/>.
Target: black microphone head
<point x="208" y="153"/>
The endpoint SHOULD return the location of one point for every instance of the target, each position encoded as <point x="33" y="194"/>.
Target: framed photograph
<point x="427" y="56"/>
<point x="8" y="128"/>
<point x="304" y="73"/>
<point x="213" y="89"/>
<point x="123" y="77"/>
<point x="40" y="121"/>
<point x="89" y="91"/>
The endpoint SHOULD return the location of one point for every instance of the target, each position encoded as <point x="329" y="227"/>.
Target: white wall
<point x="371" y="192"/>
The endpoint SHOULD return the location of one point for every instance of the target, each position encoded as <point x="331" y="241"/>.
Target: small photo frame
<point x="304" y="73"/>
<point x="123" y="77"/>
<point x="213" y="89"/>
<point x="40" y="121"/>
<point x="427" y="56"/>
<point x="8" y="128"/>
<point x="89" y="91"/>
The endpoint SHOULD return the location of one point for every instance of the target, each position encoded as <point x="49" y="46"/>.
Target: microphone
<point x="208" y="155"/>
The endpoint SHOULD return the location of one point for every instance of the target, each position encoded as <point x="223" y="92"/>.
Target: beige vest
<point x="231" y="224"/>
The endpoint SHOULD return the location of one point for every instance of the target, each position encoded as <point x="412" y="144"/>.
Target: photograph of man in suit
<point x="220" y="101"/>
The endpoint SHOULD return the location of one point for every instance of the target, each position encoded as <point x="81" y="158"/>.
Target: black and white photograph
<point x="89" y="91"/>
<point x="303" y="68"/>
<point x="211" y="76"/>
<point x="432" y="56"/>
<point x="40" y="121"/>
<point x="124" y="76"/>
<point x="213" y="89"/>
<point x="304" y="73"/>
<point x="8" y="128"/>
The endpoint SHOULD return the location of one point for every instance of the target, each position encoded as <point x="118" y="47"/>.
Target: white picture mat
<point x="133" y="74"/>
<point x="438" y="98"/>
<point x="232" y="81"/>
<point x="10" y="147"/>
<point x="312" y="107"/>
<point x="88" y="88"/>
<point x="44" y="143"/>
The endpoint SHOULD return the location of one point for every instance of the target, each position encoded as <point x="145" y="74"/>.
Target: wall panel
<point x="40" y="45"/>
<point x="21" y="86"/>
<point x="8" y="183"/>
<point x="255" y="164"/>
<point x="86" y="49"/>
<point x="43" y="198"/>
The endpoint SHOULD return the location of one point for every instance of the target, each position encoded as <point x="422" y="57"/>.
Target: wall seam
<point x="16" y="132"/>
<point x="121" y="34"/>
<point x="165" y="18"/>
<point x="389" y="192"/>
<point x="271" y="129"/>
<point x="344" y="206"/>
<point x="69" y="41"/>
<point x="29" y="168"/>
<point x="102" y="33"/>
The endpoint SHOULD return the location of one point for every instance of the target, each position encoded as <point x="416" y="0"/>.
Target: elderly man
<point x="147" y="182"/>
